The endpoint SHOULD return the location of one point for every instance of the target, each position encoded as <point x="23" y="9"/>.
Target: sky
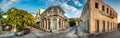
<point x="72" y="8"/>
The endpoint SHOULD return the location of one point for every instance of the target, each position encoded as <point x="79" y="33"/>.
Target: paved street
<point x="6" y="33"/>
<point x="113" y="34"/>
<point x="68" y="33"/>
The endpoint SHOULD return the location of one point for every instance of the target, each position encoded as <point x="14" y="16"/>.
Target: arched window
<point x="55" y="11"/>
<point x="48" y="23"/>
<point x="110" y="12"/>
<point x="54" y="23"/>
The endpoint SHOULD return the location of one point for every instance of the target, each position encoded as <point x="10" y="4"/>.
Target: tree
<point x="19" y="17"/>
<point x="72" y="23"/>
<point x="1" y="13"/>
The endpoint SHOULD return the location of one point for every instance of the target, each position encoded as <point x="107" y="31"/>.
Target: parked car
<point x="22" y="32"/>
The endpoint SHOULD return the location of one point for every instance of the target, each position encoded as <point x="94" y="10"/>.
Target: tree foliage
<point x="3" y="20"/>
<point x="72" y="23"/>
<point x="1" y="14"/>
<point x="19" y="17"/>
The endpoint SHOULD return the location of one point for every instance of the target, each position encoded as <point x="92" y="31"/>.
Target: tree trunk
<point x="0" y="25"/>
<point x="14" y="28"/>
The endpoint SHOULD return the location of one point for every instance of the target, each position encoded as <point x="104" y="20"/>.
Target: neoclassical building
<point x="37" y="17"/>
<point x="98" y="17"/>
<point x="53" y="19"/>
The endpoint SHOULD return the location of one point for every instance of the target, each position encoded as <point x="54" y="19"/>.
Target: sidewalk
<point x="6" y="33"/>
<point x="112" y="34"/>
<point x="40" y="31"/>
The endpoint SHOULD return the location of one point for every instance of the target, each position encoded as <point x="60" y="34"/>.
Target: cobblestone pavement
<point x="113" y="34"/>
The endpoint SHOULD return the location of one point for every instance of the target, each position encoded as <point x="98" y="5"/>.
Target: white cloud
<point x="52" y="0"/>
<point x="71" y="8"/>
<point x="13" y="0"/>
<point x="6" y="3"/>
<point x="77" y="2"/>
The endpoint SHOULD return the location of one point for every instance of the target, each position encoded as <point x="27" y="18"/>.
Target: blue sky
<point x="72" y="8"/>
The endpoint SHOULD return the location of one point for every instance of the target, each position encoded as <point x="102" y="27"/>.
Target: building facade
<point x="53" y="19"/>
<point x="37" y="17"/>
<point x="98" y="17"/>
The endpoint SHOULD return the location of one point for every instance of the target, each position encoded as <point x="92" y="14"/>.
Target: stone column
<point x="47" y="24"/>
<point x="107" y="27"/>
<point x="57" y="24"/>
<point x="110" y="26"/>
<point x="62" y="24"/>
<point x="41" y="24"/>
<point x="51" y="24"/>
<point x="44" y="24"/>
<point x="113" y="26"/>
<point x="65" y="24"/>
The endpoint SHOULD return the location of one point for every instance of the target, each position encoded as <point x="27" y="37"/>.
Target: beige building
<point x="53" y="19"/>
<point x="98" y="17"/>
<point x="37" y="17"/>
